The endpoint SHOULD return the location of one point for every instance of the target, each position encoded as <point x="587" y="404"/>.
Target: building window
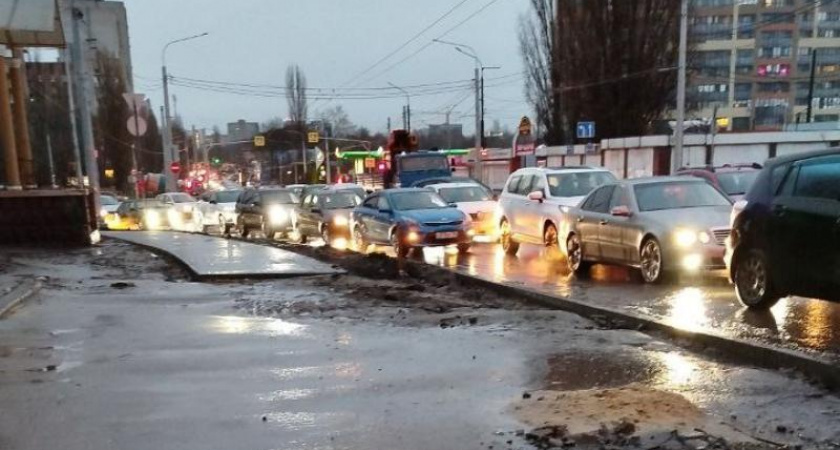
<point x="774" y="87"/>
<point x="773" y="70"/>
<point x="826" y="118"/>
<point x="826" y="33"/>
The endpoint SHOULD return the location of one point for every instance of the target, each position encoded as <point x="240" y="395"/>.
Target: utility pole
<point x="406" y="108"/>
<point x="51" y="162"/>
<point x="80" y="80"/>
<point x="678" y="156"/>
<point x="77" y="154"/>
<point x="811" y="85"/>
<point x="478" y="131"/>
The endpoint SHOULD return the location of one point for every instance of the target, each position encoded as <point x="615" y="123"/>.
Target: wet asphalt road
<point x="695" y="303"/>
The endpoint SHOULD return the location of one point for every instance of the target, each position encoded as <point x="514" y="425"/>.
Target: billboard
<point x="30" y="23"/>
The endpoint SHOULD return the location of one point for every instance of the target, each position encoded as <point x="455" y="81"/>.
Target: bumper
<point x="704" y="258"/>
<point x="281" y="226"/>
<point x="437" y="238"/>
<point x="339" y="231"/>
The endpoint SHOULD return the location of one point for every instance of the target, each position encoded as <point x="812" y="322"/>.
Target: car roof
<point x="567" y="169"/>
<point x="456" y="184"/>
<point x="659" y="180"/>
<point x="401" y="190"/>
<point x="724" y="168"/>
<point x="801" y="156"/>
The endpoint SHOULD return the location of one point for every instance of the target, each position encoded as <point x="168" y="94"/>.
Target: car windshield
<point x="182" y="198"/>
<point x="577" y="184"/>
<point x="341" y="200"/>
<point x="107" y="200"/>
<point x="356" y="190"/>
<point x="676" y="195"/>
<point x="278" y="197"/>
<point x="407" y="201"/>
<point x="464" y="194"/>
<point x="415" y="163"/>
<point x="227" y="196"/>
<point x="737" y="183"/>
<point x="297" y="191"/>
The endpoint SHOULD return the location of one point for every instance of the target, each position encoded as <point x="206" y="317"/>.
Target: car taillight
<point x="739" y="206"/>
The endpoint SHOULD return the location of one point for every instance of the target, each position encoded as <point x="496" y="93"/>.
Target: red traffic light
<point x="175" y="167"/>
<point x="382" y="167"/>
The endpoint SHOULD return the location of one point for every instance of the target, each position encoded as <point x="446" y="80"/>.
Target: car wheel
<point x="550" y="236"/>
<point x="242" y="228"/>
<point x="574" y="257"/>
<point x="325" y="235"/>
<point x="399" y="247"/>
<point x="508" y="244"/>
<point x="651" y="261"/>
<point x="463" y="248"/>
<point x="359" y="240"/>
<point x="752" y="280"/>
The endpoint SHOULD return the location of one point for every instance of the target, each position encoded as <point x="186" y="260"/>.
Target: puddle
<point x="575" y="371"/>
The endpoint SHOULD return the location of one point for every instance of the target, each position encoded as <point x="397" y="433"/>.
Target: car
<point x="431" y="181"/>
<point x="297" y="189"/>
<point x="268" y="210"/>
<point x="531" y="204"/>
<point x="734" y="180"/>
<point x="217" y="208"/>
<point x="180" y="209"/>
<point x="407" y="218"/>
<point x="109" y="204"/>
<point x="351" y="187"/>
<point x="308" y="189"/>
<point x="474" y="201"/>
<point x="326" y="214"/>
<point x="139" y="215"/>
<point x="659" y="225"/>
<point x="786" y="231"/>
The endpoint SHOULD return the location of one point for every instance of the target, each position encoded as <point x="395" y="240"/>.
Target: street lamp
<point x="167" y="138"/>
<point x="479" y="77"/>
<point x="407" y="113"/>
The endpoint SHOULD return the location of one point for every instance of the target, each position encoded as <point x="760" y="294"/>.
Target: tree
<point x="115" y="142"/>
<point x="609" y="61"/>
<point x="150" y="153"/>
<point x="296" y="95"/>
<point x="338" y="120"/>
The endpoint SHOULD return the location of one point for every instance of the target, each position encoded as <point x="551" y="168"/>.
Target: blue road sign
<point x="586" y="130"/>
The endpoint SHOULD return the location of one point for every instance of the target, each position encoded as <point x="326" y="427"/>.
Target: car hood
<point x="110" y="208"/>
<point x="703" y="218"/>
<point x="566" y="201"/>
<point x="433" y="215"/>
<point x="477" y="207"/>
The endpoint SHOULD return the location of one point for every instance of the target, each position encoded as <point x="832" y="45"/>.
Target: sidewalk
<point x="214" y="258"/>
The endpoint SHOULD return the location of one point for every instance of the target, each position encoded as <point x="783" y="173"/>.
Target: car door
<point x="365" y="215"/>
<point x="615" y="230"/>
<point x="536" y="210"/>
<point x="383" y="220"/>
<point x="594" y="211"/>
<point x="519" y="206"/>
<point x="302" y="214"/>
<point x="805" y="224"/>
<point x="509" y="198"/>
<point x="310" y="215"/>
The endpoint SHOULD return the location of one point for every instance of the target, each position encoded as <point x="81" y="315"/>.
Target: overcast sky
<point x="336" y="43"/>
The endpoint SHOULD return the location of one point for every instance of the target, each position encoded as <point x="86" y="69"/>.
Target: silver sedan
<point x="658" y="225"/>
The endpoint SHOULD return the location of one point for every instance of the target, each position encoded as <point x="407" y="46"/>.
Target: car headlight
<point x="685" y="238"/>
<point x="340" y="221"/>
<point x="152" y="219"/>
<point x="276" y="214"/>
<point x="704" y="237"/>
<point x="103" y="212"/>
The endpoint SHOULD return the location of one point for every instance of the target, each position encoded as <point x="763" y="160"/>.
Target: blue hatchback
<point x="409" y="218"/>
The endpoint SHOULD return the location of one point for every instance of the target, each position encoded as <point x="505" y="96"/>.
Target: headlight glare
<point x="276" y="214"/>
<point x="704" y="237"/>
<point x="340" y="221"/>
<point x="685" y="238"/>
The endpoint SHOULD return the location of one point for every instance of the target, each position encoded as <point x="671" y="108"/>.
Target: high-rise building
<point x="752" y="61"/>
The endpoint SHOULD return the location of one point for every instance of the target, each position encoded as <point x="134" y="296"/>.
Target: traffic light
<point x="382" y="167"/>
<point x="216" y="161"/>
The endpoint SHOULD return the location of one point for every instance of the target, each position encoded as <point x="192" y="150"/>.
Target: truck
<point x="407" y="166"/>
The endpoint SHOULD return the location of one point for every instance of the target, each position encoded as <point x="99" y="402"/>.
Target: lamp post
<point x="407" y="116"/>
<point x="167" y="138"/>
<point x="479" y="86"/>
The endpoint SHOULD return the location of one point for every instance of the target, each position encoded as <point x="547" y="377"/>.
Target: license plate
<point x="447" y="235"/>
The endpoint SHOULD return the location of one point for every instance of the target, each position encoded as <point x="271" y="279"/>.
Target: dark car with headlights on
<point x="407" y="218"/>
<point x="658" y="225"/>
<point x="267" y="210"/>
<point x="786" y="231"/>
<point x="326" y="214"/>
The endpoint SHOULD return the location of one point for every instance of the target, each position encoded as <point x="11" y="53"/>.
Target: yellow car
<point x="138" y="215"/>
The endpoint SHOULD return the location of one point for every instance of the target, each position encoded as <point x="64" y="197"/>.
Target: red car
<point x="734" y="180"/>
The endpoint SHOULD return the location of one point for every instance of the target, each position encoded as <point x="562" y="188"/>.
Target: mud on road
<point x="462" y="367"/>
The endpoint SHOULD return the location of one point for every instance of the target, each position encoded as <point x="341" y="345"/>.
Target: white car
<point x="180" y="208"/>
<point x="532" y="205"/>
<point x="476" y="202"/>
<point x="217" y="208"/>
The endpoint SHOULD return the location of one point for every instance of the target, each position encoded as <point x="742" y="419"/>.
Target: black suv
<point x="786" y="232"/>
<point x="268" y="210"/>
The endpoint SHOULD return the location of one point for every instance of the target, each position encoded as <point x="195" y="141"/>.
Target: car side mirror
<point x="536" y="196"/>
<point x="452" y="205"/>
<point x="621" y="211"/>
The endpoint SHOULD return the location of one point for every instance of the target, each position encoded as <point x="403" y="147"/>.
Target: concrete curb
<point x="18" y="295"/>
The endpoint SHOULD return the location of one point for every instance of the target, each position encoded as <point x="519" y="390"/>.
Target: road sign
<point x="370" y="163"/>
<point x="259" y="141"/>
<point x="313" y="137"/>
<point x="135" y="102"/>
<point x="136" y="126"/>
<point x="175" y="167"/>
<point x="586" y="130"/>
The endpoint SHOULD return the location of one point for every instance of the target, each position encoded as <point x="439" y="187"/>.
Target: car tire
<point x="242" y="228"/>
<point x="400" y="249"/>
<point x="753" y="283"/>
<point x="463" y="248"/>
<point x="359" y="240"/>
<point x="651" y="265"/>
<point x="574" y="257"/>
<point x="508" y="244"/>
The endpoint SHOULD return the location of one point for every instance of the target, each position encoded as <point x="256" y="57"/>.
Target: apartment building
<point x="752" y="61"/>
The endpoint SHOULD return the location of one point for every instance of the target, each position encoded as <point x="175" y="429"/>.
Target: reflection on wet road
<point x="701" y="303"/>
